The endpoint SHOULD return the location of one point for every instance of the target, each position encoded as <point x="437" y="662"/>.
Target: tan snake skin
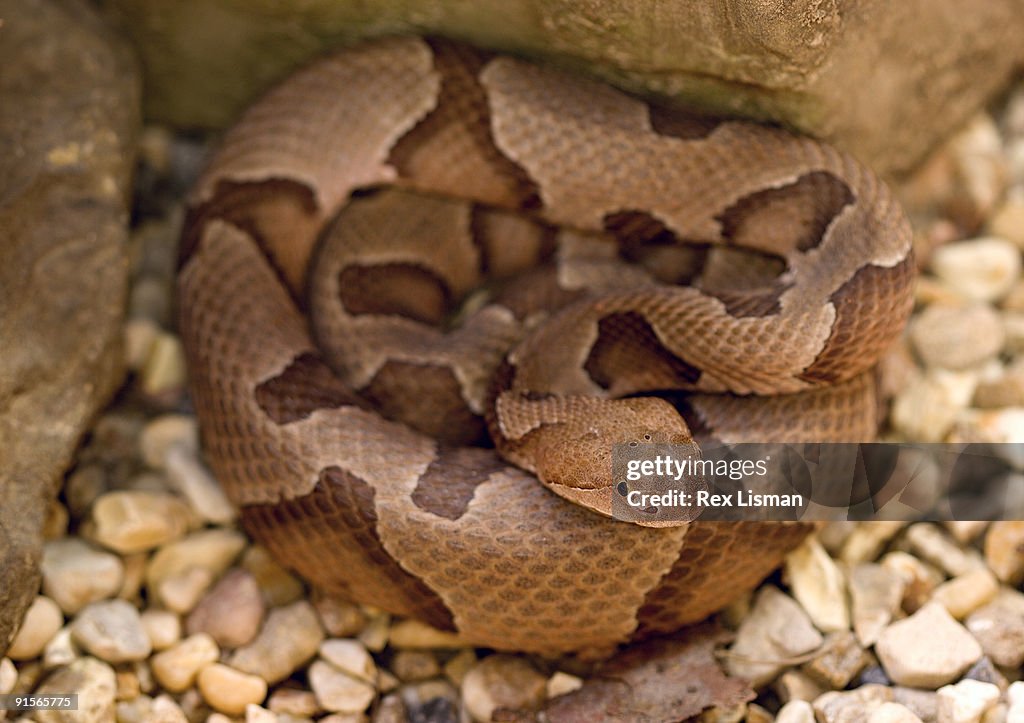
<point x="412" y="244"/>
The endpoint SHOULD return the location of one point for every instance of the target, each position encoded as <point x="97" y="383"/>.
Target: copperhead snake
<point x="412" y="246"/>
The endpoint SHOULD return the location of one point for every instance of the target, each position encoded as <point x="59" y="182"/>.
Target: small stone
<point x="919" y="578"/>
<point x="999" y="627"/>
<point x="386" y="682"/>
<point x="985" y="671"/>
<point x="163" y="628"/>
<point x="232" y="611"/>
<point x="966" y="701"/>
<point x="966" y="593"/>
<point x="965" y="531"/>
<point x="61" y="650"/>
<point x="337" y="691"/>
<point x="875" y="595"/>
<point x="1015" y="694"/>
<point x="1008" y="221"/>
<point x="980" y="269"/>
<point x="456" y="668"/>
<point x="290" y="636"/>
<point x="853" y="705"/>
<point x="182" y="590"/>
<point x="164" y="373"/>
<point x="502" y="681"/>
<point x="8" y="676"/>
<point x="41" y="622"/>
<point x="135" y="710"/>
<point x="929" y="541"/>
<point x="256" y="714"/>
<point x="995" y="426"/>
<point x="1004" y="390"/>
<point x="924" y="410"/>
<point x="922" y="703"/>
<point x="892" y="713"/>
<point x="161" y="433"/>
<point x="391" y="709"/>
<point x="94" y="682"/>
<point x="797" y="685"/>
<point x="840" y="661"/>
<point x="350" y="657"/>
<point x="134" y="576"/>
<point x="279" y="586"/>
<point x="412" y="665"/>
<point x="111" y="630"/>
<point x="796" y="711"/>
<point x="129" y="521"/>
<point x="1004" y="551"/>
<point x="76" y="574"/>
<point x="177" y="667"/>
<point x="293" y="702"/>
<point x="756" y="714"/>
<point x="562" y="683"/>
<point x="415" y="634"/>
<point x="374" y="634"/>
<point x="190" y="477"/>
<point x="165" y="710"/>
<point x="127" y="685"/>
<point x="927" y="649"/>
<point x="212" y="550"/>
<point x="818" y="585"/>
<point x="776" y="629"/>
<point x="139" y="337"/>
<point x="957" y="337"/>
<point x="868" y="540"/>
<point x="341" y="619"/>
<point x="229" y="690"/>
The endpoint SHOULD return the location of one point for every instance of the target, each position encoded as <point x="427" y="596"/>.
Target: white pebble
<point x="502" y="681"/>
<point x="981" y="269"/>
<point x="191" y="478"/>
<point x="290" y="636"/>
<point x="41" y="622"/>
<point x="927" y="649"/>
<point x="966" y="701"/>
<point x="111" y="630"/>
<point x="337" y="691"/>
<point x="819" y="586"/>
<point x="163" y="628"/>
<point x="351" y="657"/>
<point x="161" y="433"/>
<point x="76" y="573"/>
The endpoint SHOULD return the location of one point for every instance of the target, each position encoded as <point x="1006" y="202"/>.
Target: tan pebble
<point x="924" y="411"/>
<point x="161" y="433"/>
<point x="796" y="685"/>
<point x="922" y="703"/>
<point x="410" y="665"/>
<point x="892" y="713"/>
<point x="56" y="524"/>
<point x="340" y="619"/>
<point x="375" y="633"/>
<point x="957" y="338"/>
<point x="966" y="701"/>
<point x="965" y="531"/>
<point x="796" y="711"/>
<point x="931" y="543"/>
<point x="293" y="702"/>
<point x="213" y="550"/>
<point x="1004" y="551"/>
<point x="996" y="426"/>
<point x="41" y="622"/>
<point x="229" y="690"/>
<point x="1008" y="221"/>
<point x="875" y="596"/>
<point x="232" y="611"/>
<point x="502" y="681"/>
<point x="279" y="586"/>
<point x="219" y="718"/>
<point x="927" y="649"/>
<point x="94" y="682"/>
<point x="966" y="593"/>
<point x="343" y="718"/>
<point x="139" y="336"/>
<point x="391" y="709"/>
<point x="919" y="578"/>
<point x="165" y="710"/>
<point x="867" y="541"/>
<point x="290" y="636"/>
<point x="8" y="676"/>
<point x="135" y="710"/>
<point x="841" y="659"/>
<point x="190" y="477"/>
<point x="819" y="586"/>
<point x="163" y="628"/>
<point x="257" y="714"/>
<point x="416" y="634"/>
<point x="562" y="683"/>
<point x="61" y="649"/>
<point x="349" y="656"/>
<point x="337" y="691"/>
<point x="838" y="706"/>
<point x="134" y="576"/>
<point x="1013" y="327"/>
<point x="111" y="630"/>
<point x="981" y="269"/>
<point x="177" y="667"/>
<point x="776" y="629"/>
<point x="127" y="685"/>
<point x="999" y="627"/>
<point x="76" y="573"/>
<point x="456" y="668"/>
<point x="164" y="372"/>
<point x="386" y="682"/>
<point x="181" y="591"/>
<point x="129" y="521"/>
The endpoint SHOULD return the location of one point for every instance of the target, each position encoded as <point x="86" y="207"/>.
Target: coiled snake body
<point x="341" y="361"/>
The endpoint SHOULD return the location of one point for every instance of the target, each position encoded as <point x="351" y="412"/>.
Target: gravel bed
<point x="155" y="607"/>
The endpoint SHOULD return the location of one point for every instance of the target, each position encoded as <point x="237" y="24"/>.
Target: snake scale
<point x="424" y="288"/>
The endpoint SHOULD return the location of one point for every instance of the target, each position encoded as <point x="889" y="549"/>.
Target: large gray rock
<point x="885" y="80"/>
<point x="68" y="118"/>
